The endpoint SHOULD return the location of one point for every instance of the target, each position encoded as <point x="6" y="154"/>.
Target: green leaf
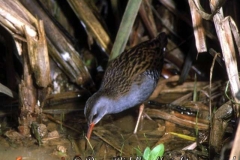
<point x="146" y="153"/>
<point x="157" y="152"/>
<point x="125" y="28"/>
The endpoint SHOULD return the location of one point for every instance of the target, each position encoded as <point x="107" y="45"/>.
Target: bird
<point x="128" y="81"/>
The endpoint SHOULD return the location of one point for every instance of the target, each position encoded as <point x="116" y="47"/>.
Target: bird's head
<point x="95" y="109"/>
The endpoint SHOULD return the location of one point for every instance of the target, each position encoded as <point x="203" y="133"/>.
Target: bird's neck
<point x="112" y="104"/>
<point x="136" y="95"/>
<point x="117" y="104"/>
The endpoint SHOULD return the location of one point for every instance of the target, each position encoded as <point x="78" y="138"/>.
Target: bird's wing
<point x="145" y="58"/>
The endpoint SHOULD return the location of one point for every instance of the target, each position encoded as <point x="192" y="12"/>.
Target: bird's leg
<point x="141" y="108"/>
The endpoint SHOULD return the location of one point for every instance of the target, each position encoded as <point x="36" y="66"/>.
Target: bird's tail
<point x="158" y="42"/>
<point x="162" y="39"/>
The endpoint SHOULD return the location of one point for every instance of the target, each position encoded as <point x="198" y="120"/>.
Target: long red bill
<point x="90" y="129"/>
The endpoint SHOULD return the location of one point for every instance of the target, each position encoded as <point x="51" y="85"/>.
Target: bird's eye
<point x="95" y="116"/>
